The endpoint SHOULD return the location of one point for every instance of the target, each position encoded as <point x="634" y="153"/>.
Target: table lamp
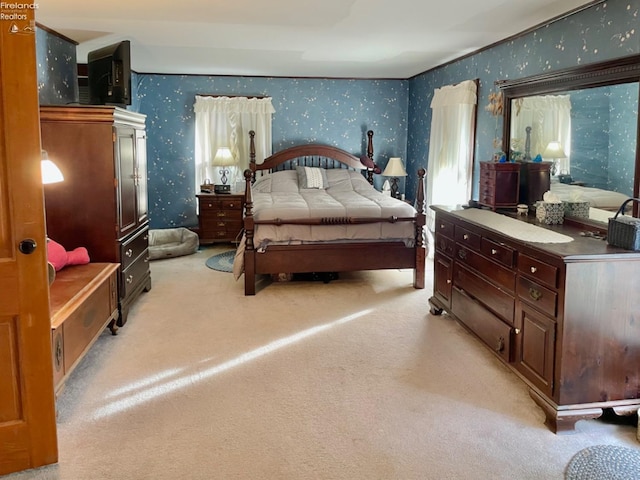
<point x="554" y="151"/>
<point x="50" y="171"/>
<point x="223" y="159"/>
<point x="394" y="169"/>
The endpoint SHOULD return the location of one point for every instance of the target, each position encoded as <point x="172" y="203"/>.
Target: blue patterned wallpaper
<point x="56" y="63"/>
<point x="328" y="111"/>
<point x="338" y="112"/>
<point x="602" y="32"/>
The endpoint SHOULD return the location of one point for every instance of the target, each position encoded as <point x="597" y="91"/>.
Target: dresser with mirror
<point x="562" y="313"/>
<point x="584" y="122"/>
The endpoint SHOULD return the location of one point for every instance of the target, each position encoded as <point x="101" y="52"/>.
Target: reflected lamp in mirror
<point x="554" y="152"/>
<point x="223" y="159"/>
<point x="50" y="171"/>
<point x="394" y="169"/>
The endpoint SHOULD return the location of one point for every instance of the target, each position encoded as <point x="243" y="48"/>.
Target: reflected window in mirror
<point x="592" y="111"/>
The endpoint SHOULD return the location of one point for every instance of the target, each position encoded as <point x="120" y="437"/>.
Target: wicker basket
<point x="624" y="231"/>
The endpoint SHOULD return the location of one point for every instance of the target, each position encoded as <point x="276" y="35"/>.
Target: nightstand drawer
<point x="220" y="217"/>
<point x="232" y="203"/>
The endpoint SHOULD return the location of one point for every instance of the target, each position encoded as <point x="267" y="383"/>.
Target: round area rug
<point x="222" y="262"/>
<point x="604" y="462"/>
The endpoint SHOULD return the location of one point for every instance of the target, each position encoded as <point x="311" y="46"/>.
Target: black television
<point x="109" y="74"/>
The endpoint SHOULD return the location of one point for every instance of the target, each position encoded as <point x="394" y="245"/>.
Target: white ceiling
<point x="295" y="38"/>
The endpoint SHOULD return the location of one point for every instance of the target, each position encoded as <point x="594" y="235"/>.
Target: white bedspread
<point x="596" y="197"/>
<point x="348" y="194"/>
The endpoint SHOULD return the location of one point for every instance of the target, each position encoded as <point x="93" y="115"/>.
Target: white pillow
<point x="311" y="177"/>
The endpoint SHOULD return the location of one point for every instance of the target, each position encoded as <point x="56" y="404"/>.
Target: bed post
<point x="370" y="155"/>
<point x="249" y="248"/>
<point x="419" y="272"/>
<point x="252" y="154"/>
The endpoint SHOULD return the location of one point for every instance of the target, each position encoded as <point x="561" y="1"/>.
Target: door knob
<point x="27" y="246"/>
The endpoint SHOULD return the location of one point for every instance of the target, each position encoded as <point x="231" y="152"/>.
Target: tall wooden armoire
<point x="102" y="202"/>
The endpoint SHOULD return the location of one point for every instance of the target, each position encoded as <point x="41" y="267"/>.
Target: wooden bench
<point x="84" y="301"/>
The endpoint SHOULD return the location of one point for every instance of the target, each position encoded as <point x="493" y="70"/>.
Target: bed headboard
<point x="310" y="155"/>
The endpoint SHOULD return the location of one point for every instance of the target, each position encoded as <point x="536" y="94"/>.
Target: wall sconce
<point x="554" y="151"/>
<point x="394" y="169"/>
<point x="223" y="159"/>
<point x="50" y="171"/>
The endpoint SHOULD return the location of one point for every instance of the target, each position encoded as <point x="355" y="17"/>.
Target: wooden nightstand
<point x="220" y="217"/>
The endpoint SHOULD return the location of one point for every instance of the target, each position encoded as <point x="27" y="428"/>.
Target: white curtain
<point x="450" y="164"/>
<point x="226" y="122"/>
<point x="549" y="117"/>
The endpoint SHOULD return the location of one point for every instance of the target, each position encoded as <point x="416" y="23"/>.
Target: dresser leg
<point x="563" y="421"/>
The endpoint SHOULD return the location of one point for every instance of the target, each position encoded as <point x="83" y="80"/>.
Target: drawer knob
<point x="534" y="269"/>
<point x="128" y="253"/>
<point x="442" y="225"/>
<point x="517" y="331"/>
<point x="232" y="205"/>
<point x="130" y="279"/>
<point x="500" y="344"/>
<point x="222" y="214"/>
<point x="462" y="254"/>
<point x="535" y="294"/>
<point x="465" y="236"/>
<point x="210" y="205"/>
<point x="448" y="281"/>
<point x="493" y="251"/>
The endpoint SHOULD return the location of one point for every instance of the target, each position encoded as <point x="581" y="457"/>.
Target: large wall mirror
<point x="584" y="120"/>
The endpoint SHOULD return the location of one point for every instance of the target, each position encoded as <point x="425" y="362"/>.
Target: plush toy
<point x="60" y="258"/>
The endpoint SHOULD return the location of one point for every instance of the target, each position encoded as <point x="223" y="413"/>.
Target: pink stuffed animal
<point x="60" y="258"/>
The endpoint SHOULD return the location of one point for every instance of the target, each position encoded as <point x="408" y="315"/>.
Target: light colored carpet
<point x="353" y="379"/>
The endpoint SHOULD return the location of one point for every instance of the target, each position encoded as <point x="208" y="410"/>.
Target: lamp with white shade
<point x="394" y="169"/>
<point x="50" y="171"/>
<point x="223" y="159"/>
<point x="554" y="151"/>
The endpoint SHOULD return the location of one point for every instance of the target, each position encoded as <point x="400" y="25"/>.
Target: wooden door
<point x="126" y="171"/>
<point x="126" y="163"/>
<point x="27" y="405"/>
<point x="141" y="176"/>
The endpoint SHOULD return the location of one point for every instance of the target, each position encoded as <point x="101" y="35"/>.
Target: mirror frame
<point x="611" y="72"/>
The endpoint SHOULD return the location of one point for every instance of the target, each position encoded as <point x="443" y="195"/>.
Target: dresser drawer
<point x="134" y="274"/>
<point x="133" y="247"/>
<point x="500" y="253"/>
<point x="467" y="238"/>
<point x="444" y="244"/>
<point x="498" y="274"/>
<point x="539" y="271"/>
<point x="542" y="298"/>
<point x="499" y="301"/>
<point x="490" y="329"/>
<point x="444" y="227"/>
<point x="487" y="196"/>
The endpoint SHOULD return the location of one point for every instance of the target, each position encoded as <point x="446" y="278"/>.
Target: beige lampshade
<point x="394" y="168"/>
<point x="50" y="171"/>
<point x="554" y="150"/>
<point x="223" y="158"/>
